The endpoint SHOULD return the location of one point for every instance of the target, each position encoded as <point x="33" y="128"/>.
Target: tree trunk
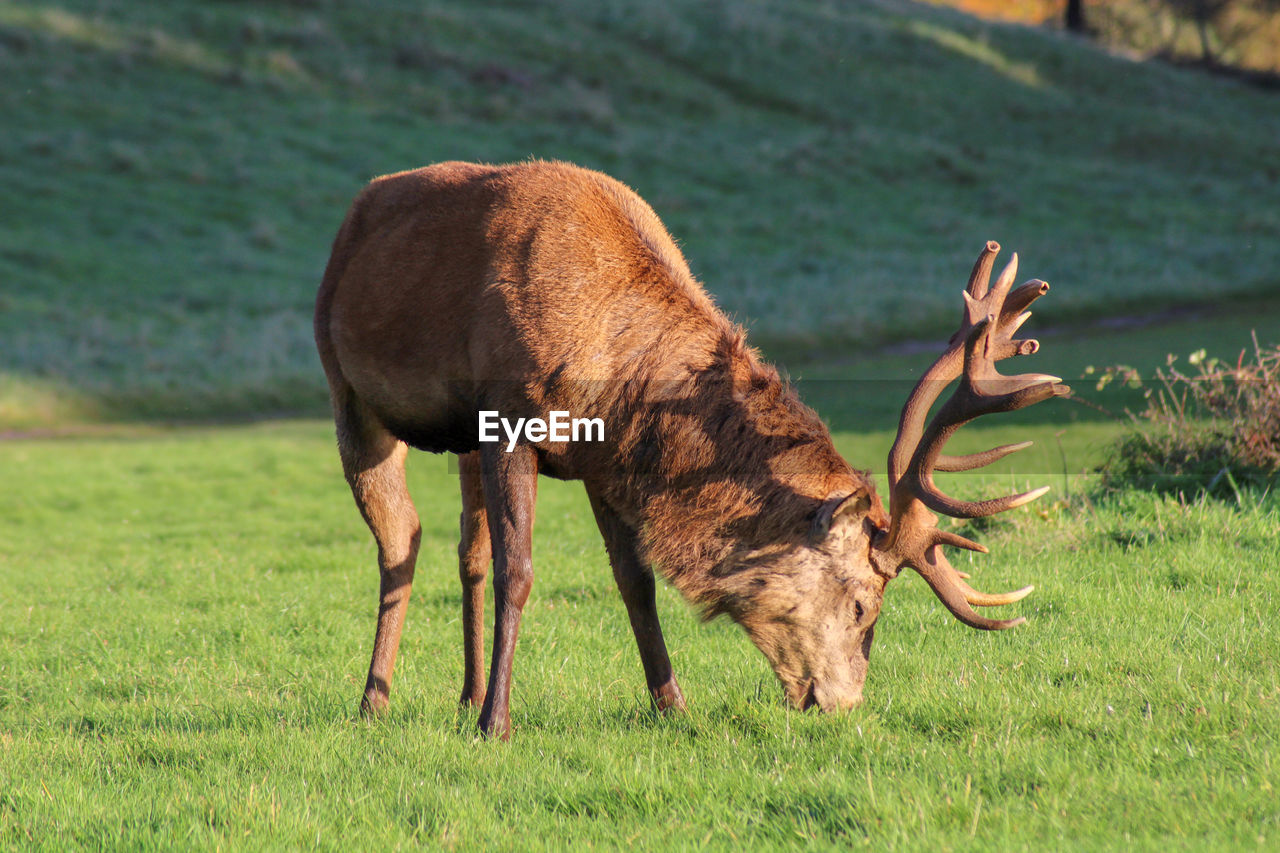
<point x="1075" y="17"/>
<point x="1202" y="27"/>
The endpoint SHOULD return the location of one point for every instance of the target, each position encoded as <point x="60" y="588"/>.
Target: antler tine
<point x="1021" y="298"/>
<point x="971" y="595"/>
<point x="959" y="598"/>
<point x="977" y="286"/>
<point x="978" y="460"/>
<point x="980" y="599"/>
<point x="1005" y="281"/>
<point x="1012" y="314"/>
<point x="992" y="316"/>
<point x="947" y="505"/>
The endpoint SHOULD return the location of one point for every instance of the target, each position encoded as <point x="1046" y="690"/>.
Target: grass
<point x="186" y="614"/>
<point x="187" y="621"/>
<point x="180" y="169"/>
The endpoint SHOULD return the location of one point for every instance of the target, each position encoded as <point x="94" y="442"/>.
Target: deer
<point x="522" y="289"/>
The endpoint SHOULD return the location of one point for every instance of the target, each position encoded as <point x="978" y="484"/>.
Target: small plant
<point x="1214" y="430"/>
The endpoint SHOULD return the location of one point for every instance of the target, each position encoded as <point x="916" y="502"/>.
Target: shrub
<point x="1213" y="430"/>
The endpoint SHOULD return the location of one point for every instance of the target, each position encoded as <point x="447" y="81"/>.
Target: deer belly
<point x="428" y="414"/>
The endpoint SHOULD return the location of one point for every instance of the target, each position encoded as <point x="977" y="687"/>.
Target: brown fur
<point x="541" y="286"/>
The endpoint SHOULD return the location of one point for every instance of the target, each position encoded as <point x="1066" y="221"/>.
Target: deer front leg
<point x="474" y="555"/>
<point x="510" y="486"/>
<point x="635" y="581"/>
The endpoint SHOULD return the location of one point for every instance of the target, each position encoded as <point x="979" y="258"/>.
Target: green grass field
<point x="174" y="173"/>
<point x="186" y="612"/>
<point x="187" y="619"/>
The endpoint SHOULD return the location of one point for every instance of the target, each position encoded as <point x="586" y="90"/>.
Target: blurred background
<point x="172" y="175"/>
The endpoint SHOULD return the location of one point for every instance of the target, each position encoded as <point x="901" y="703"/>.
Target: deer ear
<point x="855" y="502"/>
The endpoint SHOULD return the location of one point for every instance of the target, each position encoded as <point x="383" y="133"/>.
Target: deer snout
<point x="826" y="696"/>
<point x="830" y="699"/>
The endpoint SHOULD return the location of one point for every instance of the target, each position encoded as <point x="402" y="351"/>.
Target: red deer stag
<point x="539" y="287"/>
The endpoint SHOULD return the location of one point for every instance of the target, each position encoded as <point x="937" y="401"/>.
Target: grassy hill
<point x="171" y="174"/>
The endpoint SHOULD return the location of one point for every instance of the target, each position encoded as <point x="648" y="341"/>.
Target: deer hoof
<point x="498" y="728"/>
<point x="668" y="699"/>
<point x="373" y="705"/>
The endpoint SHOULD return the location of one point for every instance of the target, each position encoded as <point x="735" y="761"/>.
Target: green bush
<point x="1214" y="430"/>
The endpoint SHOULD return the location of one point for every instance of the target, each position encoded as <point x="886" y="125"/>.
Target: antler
<point x="991" y="317"/>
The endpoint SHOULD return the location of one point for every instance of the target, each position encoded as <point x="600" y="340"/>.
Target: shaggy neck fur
<point x="724" y="468"/>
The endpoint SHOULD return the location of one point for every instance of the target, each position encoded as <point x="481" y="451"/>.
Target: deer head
<point x="813" y="610"/>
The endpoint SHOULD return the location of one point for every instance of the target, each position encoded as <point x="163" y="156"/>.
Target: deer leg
<point x="474" y="555"/>
<point x="373" y="461"/>
<point x="635" y="581"/>
<point x="510" y="485"/>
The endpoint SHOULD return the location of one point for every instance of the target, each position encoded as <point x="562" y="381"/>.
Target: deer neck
<point x="721" y="466"/>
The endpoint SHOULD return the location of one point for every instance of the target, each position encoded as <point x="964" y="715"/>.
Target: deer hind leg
<point x="373" y="461"/>
<point x="510" y="484"/>
<point x="474" y="556"/>
<point x="635" y="581"/>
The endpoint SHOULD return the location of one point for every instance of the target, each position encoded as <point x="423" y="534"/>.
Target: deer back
<point x="521" y="289"/>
